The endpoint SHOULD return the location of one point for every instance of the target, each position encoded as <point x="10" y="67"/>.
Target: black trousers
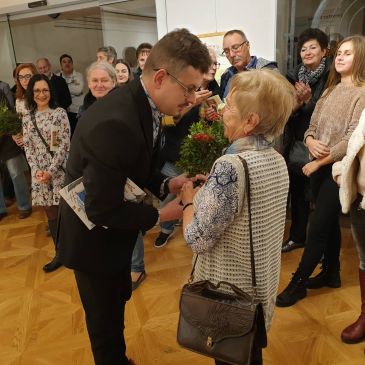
<point x="103" y="299"/>
<point x="324" y="233"/>
<point x="299" y="201"/>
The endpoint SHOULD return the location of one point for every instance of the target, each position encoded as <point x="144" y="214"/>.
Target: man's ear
<point x="253" y="120"/>
<point x="158" y="78"/>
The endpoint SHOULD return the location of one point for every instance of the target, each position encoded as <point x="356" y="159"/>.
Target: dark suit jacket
<point x="113" y="141"/>
<point x="61" y="91"/>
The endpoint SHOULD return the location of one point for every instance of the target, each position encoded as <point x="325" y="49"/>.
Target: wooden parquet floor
<point x="42" y="323"/>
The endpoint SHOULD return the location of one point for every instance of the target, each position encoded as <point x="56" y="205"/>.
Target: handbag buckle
<point x="209" y="342"/>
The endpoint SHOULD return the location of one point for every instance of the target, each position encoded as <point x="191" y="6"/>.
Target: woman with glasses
<point x="23" y="74"/>
<point x="46" y="134"/>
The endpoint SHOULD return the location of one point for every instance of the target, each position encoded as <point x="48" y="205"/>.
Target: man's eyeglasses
<point x="25" y="77"/>
<point x="235" y="48"/>
<point x="40" y="91"/>
<point x="187" y="90"/>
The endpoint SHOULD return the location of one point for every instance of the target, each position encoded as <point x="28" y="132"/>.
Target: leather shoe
<point x="290" y="245"/>
<point x="24" y="213"/>
<point x="52" y="265"/>
<point x="138" y="282"/>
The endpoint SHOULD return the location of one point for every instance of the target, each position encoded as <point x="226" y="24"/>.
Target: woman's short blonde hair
<point x="105" y="66"/>
<point x="266" y="93"/>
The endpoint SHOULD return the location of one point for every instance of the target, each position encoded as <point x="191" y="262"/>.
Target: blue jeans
<point x="168" y="169"/>
<point x="16" y="166"/>
<point x="138" y="255"/>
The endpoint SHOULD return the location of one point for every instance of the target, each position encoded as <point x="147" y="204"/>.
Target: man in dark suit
<point x="116" y="138"/>
<point x="59" y="86"/>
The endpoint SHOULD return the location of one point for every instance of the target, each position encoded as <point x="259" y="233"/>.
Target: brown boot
<point x="356" y="332"/>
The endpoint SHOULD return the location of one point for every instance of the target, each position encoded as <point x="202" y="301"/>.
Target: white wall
<point x="45" y="37"/>
<point x="122" y="31"/>
<point x="6" y="56"/>
<point x="257" y="19"/>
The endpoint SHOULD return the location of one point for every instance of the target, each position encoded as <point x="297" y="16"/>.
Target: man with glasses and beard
<point x="236" y="48"/>
<point x="118" y="137"/>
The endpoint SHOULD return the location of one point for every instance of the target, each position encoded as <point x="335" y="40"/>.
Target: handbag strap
<point x="248" y="196"/>
<point x="252" y="255"/>
<point x="32" y="116"/>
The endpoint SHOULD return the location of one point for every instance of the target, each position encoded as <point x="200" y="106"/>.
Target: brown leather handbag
<point x="222" y="321"/>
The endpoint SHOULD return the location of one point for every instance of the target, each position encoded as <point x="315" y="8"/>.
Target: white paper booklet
<point x="74" y="195"/>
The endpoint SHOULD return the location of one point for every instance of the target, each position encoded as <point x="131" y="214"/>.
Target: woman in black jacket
<point x="309" y="79"/>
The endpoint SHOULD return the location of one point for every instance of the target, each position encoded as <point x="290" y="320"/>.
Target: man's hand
<point x="171" y="211"/>
<point x="176" y="183"/>
<point x="317" y="148"/>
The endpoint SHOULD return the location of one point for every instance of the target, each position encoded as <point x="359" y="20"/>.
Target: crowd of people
<point x="113" y="131"/>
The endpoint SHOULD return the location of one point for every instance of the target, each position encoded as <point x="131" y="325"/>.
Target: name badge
<point x="55" y="138"/>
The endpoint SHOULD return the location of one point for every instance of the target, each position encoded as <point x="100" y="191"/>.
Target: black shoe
<point x="295" y="291"/>
<point x="25" y="213"/>
<point x="290" y="245"/>
<point x="52" y="265"/>
<point x="325" y="279"/>
<point x="162" y="239"/>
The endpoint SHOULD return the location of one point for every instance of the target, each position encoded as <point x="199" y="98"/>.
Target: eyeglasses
<point x="40" y="91"/>
<point x="215" y="64"/>
<point x="187" y="90"/>
<point x="25" y="77"/>
<point x="235" y="48"/>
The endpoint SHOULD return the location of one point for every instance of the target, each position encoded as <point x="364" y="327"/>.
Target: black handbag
<point x="222" y="324"/>
<point x="298" y="157"/>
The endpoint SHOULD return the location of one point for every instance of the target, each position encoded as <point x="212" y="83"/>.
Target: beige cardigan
<point x="347" y="168"/>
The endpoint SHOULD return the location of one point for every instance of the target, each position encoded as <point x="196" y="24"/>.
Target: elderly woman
<point x="309" y="79"/>
<point x="259" y="104"/>
<point x="101" y="78"/>
<point x="123" y="71"/>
